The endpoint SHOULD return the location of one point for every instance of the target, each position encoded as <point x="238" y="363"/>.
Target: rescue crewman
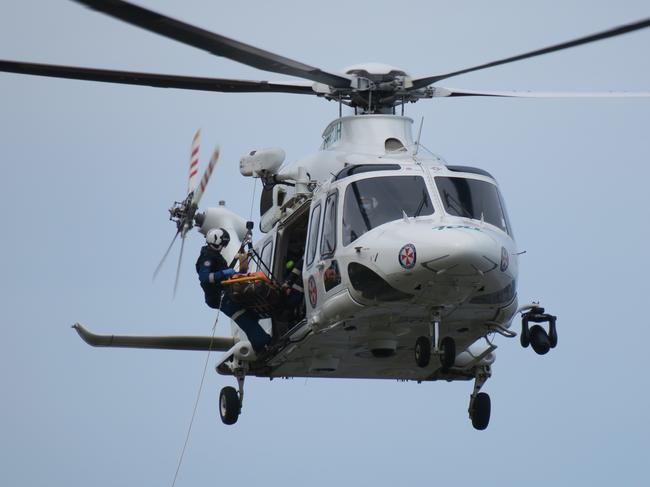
<point x="293" y="275"/>
<point x="212" y="268"/>
<point x="293" y="290"/>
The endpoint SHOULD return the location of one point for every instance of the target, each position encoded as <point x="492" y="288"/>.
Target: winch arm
<point x="198" y="343"/>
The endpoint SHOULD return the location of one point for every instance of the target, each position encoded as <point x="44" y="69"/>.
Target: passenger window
<point x="313" y="234"/>
<point x="328" y="239"/>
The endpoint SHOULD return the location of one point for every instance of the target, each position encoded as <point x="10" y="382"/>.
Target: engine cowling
<point x="222" y="217"/>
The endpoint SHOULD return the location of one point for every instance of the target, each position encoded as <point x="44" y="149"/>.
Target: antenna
<point x="417" y="143"/>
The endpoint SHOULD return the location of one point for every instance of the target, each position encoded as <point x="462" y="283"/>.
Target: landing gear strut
<point x="540" y="341"/>
<point x="479" y="402"/>
<point x="231" y="399"/>
<point x="445" y="348"/>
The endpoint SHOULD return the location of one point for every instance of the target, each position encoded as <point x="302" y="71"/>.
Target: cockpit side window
<point x="313" y="234"/>
<point x="374" y="201"/>
<point x="328" y="238"/>
<point x="473" y="198"/>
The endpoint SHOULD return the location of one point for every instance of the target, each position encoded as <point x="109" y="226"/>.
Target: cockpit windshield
<point x="473" y="198"/>
<point x="374" y="201"/>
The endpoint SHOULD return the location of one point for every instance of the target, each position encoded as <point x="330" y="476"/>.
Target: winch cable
<point x="196" y="403"/>
<point x="205" y="368"/>
<point x="250" y="214"/>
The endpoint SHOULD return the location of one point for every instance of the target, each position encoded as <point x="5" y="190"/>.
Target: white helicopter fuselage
<point x="390" y="247"/>
<point x="407" y="264"/>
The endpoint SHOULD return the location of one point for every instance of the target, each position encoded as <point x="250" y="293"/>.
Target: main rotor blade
<point x="151" y="79"/>
<point x="448" y="92"/>
<point x="162" y="261"/>
<point x="214" y="43"/>
<point x="616" y="31"/>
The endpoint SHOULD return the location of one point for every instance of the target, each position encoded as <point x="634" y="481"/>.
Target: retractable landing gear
<point x="536" y="336"/>
<point x="229" y="405"/>
<point x="479" y="402"/>
<point x="445" y="348"/>
<point x="447" y="351"/>
<point x="422" y="351"/>
<point x="231" y="399"/>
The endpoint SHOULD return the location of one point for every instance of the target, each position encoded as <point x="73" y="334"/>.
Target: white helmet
<point x="217" y="238"/>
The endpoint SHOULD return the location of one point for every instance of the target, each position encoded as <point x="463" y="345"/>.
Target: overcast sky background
<point x="89" y="170"/>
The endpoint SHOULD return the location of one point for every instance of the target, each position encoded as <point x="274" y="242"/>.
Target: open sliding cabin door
<point x="288" y="259"/>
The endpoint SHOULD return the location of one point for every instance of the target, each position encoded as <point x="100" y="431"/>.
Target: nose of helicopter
<point x="457" y="250"/>
<point x="447" y="261"/>
<point x="436" y="264"/>
<point x="465" y="250"/>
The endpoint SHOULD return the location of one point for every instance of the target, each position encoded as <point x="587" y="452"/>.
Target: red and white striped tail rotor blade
<point x="193" y="175"/>
<point x="206" y="177"/>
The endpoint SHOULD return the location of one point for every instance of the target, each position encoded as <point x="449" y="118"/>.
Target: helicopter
<point x="405" y="278"/>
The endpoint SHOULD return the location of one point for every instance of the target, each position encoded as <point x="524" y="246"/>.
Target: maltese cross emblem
<point x="407" y="256"/>
<point x="313" y="293"/>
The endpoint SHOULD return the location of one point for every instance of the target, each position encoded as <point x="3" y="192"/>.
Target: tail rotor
<point x="198" y="193"/>
<point x="178" y="267"/>
<point x="182" y="212"/>
<point x="194" y="162"/>
<point x="164" y="257"/>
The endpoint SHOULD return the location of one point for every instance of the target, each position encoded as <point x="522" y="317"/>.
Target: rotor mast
<point x="375" y="89"/>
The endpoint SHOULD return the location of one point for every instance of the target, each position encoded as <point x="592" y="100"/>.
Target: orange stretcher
<point x="250" y="276"/>
<point x="254" y="291"/>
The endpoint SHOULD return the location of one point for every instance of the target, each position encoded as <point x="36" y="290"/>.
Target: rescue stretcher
<point x="257" y="291"/>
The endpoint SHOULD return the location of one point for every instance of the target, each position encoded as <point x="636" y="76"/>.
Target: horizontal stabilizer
<point x="217" y="344"/>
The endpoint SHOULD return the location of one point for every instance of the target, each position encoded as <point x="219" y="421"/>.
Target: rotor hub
<point x="374" y="88"/>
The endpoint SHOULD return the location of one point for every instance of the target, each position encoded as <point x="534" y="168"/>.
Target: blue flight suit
<point x="212" y="268"/>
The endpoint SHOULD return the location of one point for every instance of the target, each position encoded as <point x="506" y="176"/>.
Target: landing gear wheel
<point x="480" y="412"/>
<point x="422" y="351"/>
<point x="448" y="353"/>
<point x="229" y="405"/>
<point x="539" y="340"/>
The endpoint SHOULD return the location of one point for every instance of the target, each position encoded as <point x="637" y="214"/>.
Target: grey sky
<point x="89" y="169"/>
